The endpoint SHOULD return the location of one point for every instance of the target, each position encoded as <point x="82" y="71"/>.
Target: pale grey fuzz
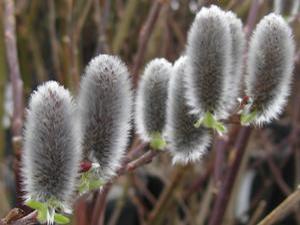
<point x="105" y="106"/>
<point x="270" y="67"/>
<point x="208" y="62"/>
<point x="233" y="82"/>
<point x="151" y="100"/>
<point x="51" y="148"/>
<point x="186" y="143"/>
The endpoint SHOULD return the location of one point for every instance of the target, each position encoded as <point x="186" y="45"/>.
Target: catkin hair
<point x="233" y="83"/>
<point x="186" y="142"/>
<point x="105" y="107"/>
<point x="51" y="149"/>
<point x="270" y="67"/>
<point x="151" y="100"/>
<point x="208" y="62"/>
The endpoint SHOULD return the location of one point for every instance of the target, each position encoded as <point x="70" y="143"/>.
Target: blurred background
<point x="55" y="40"/>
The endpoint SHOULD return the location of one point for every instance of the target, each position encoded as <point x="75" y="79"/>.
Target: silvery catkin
<point x="151" y="100"/>
<point x="270" y="67"/>
<point x="208" y="62"/>
<point x="105" y="107"/>
<point x="233" y="82"/>
<point x="51" y="149"/>
<point x="186" y="142"/>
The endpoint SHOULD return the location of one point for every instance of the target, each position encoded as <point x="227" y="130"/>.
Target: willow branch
<point x="13" y="64"/>
<point x="229" y="180"/>
<point x="16" y="217"/>
<point x="17" y="85"/>
<point x="55" y="45"/>
<point x="166" y="196"/>
<point x="144" y="37"/>
<point x="146" y="158"/>
<point x="286" y="207"/>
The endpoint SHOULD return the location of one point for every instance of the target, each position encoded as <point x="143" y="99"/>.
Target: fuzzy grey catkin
<point x="51" y="154"/>
<point x="186" y="143"/>
<point x="151" y="100"/>
<point x="105" y="107"/>
<point x="233" y="83"/>
<point x="270" y="67"/>
<point x="208" y="62"/>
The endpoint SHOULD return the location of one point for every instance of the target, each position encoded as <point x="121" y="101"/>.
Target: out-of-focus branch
<point x="17" y="85"/>
<point x="287" y="206"/>
<point x="30" y="219"/>
<point x="252" y="16"/>
<point x="16" y="217"/>
<point x="13" y="64"/>
<point x="165" y="198"/>
<point x="144" y="37"/>
<point x="225" y="191"/>
<point x="75" y="36"/>
<point x="101" y="18"/>
<point x="124" y="26"/>
<point x="146" y="158"/>
<point x="54" y="42"/>
<point x="99" y="210"/>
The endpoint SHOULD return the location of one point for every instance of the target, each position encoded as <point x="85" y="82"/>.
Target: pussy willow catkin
<point x="186" y="143"/>
<point x="270" y="67"/>
<point x="151" y="100"/>
<point x="208" y="62"/>
<point x="105" y="107"/>
<point x="51" y="148"/>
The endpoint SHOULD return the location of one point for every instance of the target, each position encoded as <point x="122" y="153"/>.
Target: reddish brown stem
<point x="99" y="210"/>
<point x="144" y="159"/>
<point x="166" y="196"/>
<point x="13" y="216"/>
<point x="229" y="180"/>
<point x="221" y="144"/>
<point x="252" y="16"/>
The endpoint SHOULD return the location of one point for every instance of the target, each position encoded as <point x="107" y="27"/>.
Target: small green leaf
<point x="35" y="204"/>
<point x="95" y="184"/>
<point x="209" y="120"/>
<point x="83" y="187"/>
<point x="157" y="142"/>
<point x="248" y="118"/>
<point x="220" y="127"/>
<point x="61" y="219"/>
<point x="89" y="181"/>
<point x="198" y="123"/>
<point x="42" y="215"/>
